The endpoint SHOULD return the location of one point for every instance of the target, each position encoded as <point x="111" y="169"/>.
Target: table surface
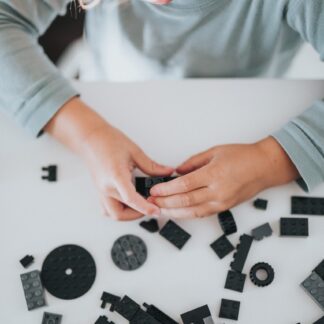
<point x="170" y="121"/>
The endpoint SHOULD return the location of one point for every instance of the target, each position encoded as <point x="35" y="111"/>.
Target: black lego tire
<point x="227" y="222"/>
<point x="267" y="268"/>
<point x="68" y="272"/>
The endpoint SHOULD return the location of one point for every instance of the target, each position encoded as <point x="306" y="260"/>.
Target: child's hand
<point x="111" y="157"/>
<point x="222" y="177"/>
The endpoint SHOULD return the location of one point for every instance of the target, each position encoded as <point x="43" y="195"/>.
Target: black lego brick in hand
<point x="262" y="266"/>
<point x="27" y="261"/>
<point x="235" y="281"/>
<point x="175" y="234"/>
<point x="50" y="318"/>
<point x="50" y="173"/>
<point x="307" y="205"/>
<point x="260" y="232"/>
<point x="198" y="315"/>
<point x="230" y="309"/>
<point x="260" y="204"/>
<point x="227" y="222"/>
<point x="151" y="225"/>
<point x="143" y="185"/>
<point x="222" y="246"/>
<point x="293" y="226"/>
<point x="242" y="252"/>
<point x="157" y="314"/>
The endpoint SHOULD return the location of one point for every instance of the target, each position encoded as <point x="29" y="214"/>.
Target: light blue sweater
<point x="189" y="38"/>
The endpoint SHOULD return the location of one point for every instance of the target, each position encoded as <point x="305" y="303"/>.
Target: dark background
<point x="62" y="32"/>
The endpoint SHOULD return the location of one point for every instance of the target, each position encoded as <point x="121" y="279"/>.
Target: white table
<point x="170" y="120"/>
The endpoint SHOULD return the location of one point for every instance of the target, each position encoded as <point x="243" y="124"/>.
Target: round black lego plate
<point x="129" y="252"/>
<point x="68" y="272"/>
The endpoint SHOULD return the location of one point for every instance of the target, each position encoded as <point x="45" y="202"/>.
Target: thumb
<point x="150" y="167"/>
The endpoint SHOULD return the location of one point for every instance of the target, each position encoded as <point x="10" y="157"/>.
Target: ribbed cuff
<point x="45" y="104"/>
<point x="302" y="153"/>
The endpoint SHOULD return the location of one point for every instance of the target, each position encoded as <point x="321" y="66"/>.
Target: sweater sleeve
<point x="303" y="137"/>
<point x="31" y="88"/>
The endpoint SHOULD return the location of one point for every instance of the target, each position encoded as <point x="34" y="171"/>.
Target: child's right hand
<point x="111" y="157"/>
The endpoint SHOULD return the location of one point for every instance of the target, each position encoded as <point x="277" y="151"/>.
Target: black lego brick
<point x="227" y="222"/>
<point x="196" y="316"/>
<point x="50" y="173"/>
<point x="260" y="204"/>
<point x="141" y="317"/>
<point x="320" y="321"/>
<point x="293" y="226"/>
<point x="242" y="252"/>
<point x="307" y="205"/>
<point x="175" y="234"/>
<point x="261" y="232"/>
<point x="320" y="270"/>
<point x="103" y="320"/>
<point x="222" y="246"/>
<point x="143" y="185"/>
<point x="160" y="316"/>
<point x="230" y="309"/>
<point x="127" y="308"/>
<point x="107" y="298"/>
<point x="151" y="225"/>
<point x="50" y="318"/>
<point x="235" y="281"/>
<point x="26" y="261"/>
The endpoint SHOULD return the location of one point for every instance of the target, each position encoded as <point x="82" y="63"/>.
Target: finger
<point x="150" y="167"/>
<point x="188" y="182"/>
<point x="199" y="211"/>
<point x="188" y="199"/>
<point x="194" y="163"/>
<point x="134" y="200"/>
<point x="118" y="211"/>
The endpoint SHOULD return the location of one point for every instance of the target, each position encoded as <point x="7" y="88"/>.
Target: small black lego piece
<point x="33" y="289"/>
<point x="50" y="318"/>
<point x="262" y="266"/>
<point x="320" y="321"/>
<point x="229" y="309"/>
<point x="261" y="232"/>
<point x="143" y="185"/>
<point x="111" y="299"/>
<point x="127" y="308"/>
<point x="260" y="204"/>
<point x="235" y="281"/>
<point x="51" y="171"/>
<point x="68" y="272"/>
<point x="151" y="225"/>
<point x="199" y="315"/>
<point x="227" y="222"/>
<point x="222" y="246"/>
<point x="175" y="234"/>
<point x="129" y="252"/>
<point x="242" y="252"/>
<point x="142" y="317"/>
<point x="103" y="320"/>
<point x="320" y="270"/>
<point x="307" y="205"/>
<point x="293" y="226"/>
<point x="26" y="261"/>
<point x="156" y="313"/>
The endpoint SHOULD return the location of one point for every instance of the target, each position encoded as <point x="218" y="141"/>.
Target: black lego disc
<point x="129" y="252"/>
<point x="68" y="272"/>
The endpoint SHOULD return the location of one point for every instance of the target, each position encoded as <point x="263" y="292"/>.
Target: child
<point x="167" y="39"/>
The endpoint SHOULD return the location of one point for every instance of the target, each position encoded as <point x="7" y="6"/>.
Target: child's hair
<point x="88" y="4"/>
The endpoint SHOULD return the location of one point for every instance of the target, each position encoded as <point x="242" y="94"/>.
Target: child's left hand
<point x="223" y="177"/>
